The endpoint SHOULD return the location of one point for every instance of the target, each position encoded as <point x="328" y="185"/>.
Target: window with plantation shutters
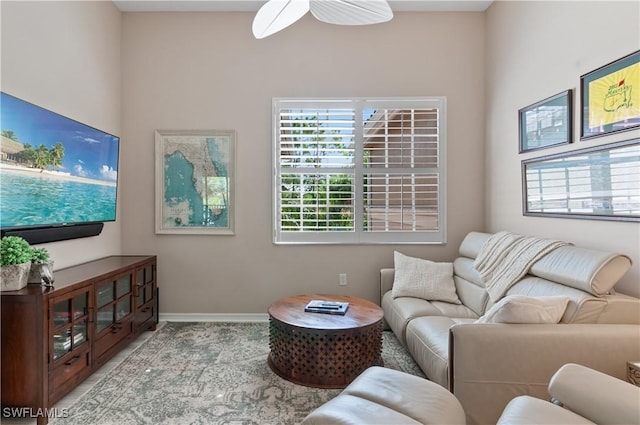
<point x="359" y="170"/>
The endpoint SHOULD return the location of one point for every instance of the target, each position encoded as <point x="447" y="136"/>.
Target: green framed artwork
<point x="195" y="178"/>
<point x="610" y="98"/>
<point x="546" y="123"/>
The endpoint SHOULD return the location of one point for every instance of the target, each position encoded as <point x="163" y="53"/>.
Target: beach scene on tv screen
<point x="53" y="170"/>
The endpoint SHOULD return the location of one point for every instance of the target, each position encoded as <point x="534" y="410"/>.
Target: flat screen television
<point x="58" y="177"/>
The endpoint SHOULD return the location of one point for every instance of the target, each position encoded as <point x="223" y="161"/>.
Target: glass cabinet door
<point x="145" y="281"/>
<point x="69" y="323"/>
<point x="105" y="296"/>
<point x="61" y="314"/>
<point x="123" y="308"/>
<point x="114" y="301"/>
<point x="123" y="294"/>
<point x="123" y="286"/>
<point x="140" y="287"/>
<point x="146" y="309"/>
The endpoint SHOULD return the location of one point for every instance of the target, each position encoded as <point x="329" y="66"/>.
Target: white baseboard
<point x="214" y="317"/>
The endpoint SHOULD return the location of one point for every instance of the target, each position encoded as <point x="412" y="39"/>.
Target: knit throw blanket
<point x="506" y="257"/>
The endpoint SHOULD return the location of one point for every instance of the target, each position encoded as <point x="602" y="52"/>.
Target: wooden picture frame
<point x="546" y="123"/>
<point x="195" y="180"/>
<point x="600" y="182"/>
<point x="609" y="101"/>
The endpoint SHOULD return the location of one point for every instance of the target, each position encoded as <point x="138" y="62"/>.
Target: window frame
<point x="360" y="236"/>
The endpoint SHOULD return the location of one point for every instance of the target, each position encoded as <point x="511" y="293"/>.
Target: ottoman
<point x="386" y="396"/>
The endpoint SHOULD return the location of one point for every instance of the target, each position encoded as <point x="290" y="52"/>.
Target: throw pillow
<point x="523" y="309"/>
<point x="418" y="278"/>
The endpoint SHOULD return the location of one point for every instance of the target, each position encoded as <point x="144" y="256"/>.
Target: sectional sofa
<point x="487" y="351"/>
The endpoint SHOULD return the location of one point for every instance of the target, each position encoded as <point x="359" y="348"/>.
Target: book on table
<point x="327" y="307"/>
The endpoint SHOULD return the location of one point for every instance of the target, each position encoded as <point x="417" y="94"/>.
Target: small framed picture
<point x="546" y="123"/>
<point x="610" y="102"/>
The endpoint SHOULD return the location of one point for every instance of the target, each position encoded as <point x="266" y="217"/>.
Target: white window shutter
<point x="359" y="170"/>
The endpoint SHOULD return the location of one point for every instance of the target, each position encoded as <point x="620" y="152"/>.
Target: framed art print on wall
<point x="610" y="98"/>
<point x="546" y="123"/>
<point x="600" y="182"/>
<point x="195" y="178"/>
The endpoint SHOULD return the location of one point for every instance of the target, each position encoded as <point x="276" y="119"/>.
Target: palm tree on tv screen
<point x="57" y="153"/>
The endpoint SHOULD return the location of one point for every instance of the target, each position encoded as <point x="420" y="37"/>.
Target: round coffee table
<point x="324" y="350"/>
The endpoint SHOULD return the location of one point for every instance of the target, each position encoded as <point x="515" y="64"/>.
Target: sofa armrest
<point x="596" y="396"/>
<point x="490" y="364"/>
<point x="386" y="281"/>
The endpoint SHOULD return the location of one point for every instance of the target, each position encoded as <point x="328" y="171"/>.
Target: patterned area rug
<point x="207" y="373"/>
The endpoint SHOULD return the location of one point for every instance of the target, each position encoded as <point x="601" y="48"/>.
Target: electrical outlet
<point x="343" y="279"/>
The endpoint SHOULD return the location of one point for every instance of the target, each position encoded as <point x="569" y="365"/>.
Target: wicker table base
<point x="323" y="350"/>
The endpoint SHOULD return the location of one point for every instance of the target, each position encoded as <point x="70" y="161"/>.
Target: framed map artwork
<point x="195" y="182"/>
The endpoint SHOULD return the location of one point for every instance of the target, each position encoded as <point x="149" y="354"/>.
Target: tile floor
<point x="70" y="398"/>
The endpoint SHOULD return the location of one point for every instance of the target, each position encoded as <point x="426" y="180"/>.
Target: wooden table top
<point x="360" y="313"/>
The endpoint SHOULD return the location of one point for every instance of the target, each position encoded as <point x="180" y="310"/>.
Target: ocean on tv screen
<point x="48" y="199"/>
<point x="54" y="170"/>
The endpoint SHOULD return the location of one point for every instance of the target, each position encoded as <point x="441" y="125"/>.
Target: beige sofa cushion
<point x="472" y="244"/>
<point x="400" y="311"/>
<point x="428" y="344"/>
<point x="587" y="396"/>
<point x="615" y="401"/>
<point x="350" y="410"/>
<point x="385" y="396"/>
<point x="589" y="270"/>
<point x="419" y="278"/>
<point x="592" y="271"/>
<point x="583" y="307"/>
<point x="469" y="285"/>
<point x="525" y="410"/>
<point x="523" y="309"/>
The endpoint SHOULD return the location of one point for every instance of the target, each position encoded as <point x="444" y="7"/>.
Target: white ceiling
<point x="253" y="6"/>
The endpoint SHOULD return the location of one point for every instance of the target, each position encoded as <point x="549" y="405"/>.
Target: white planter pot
<point x="36" y="272"/>
<point x="14" y="277"/>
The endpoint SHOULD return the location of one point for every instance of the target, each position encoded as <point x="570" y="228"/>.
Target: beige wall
<point x="206" y="71"/>
<point x="130" y="74"/>
<point x="535" y="50"/>
<point x="65" y="56"/>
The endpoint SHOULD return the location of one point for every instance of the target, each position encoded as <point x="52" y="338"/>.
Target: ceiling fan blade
<point x="276" y="15"/>
<point x="351" y="12"/>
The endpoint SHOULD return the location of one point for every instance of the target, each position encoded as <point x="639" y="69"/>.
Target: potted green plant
<point x="41" y="266"/>
<point x="15" y="263"/>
